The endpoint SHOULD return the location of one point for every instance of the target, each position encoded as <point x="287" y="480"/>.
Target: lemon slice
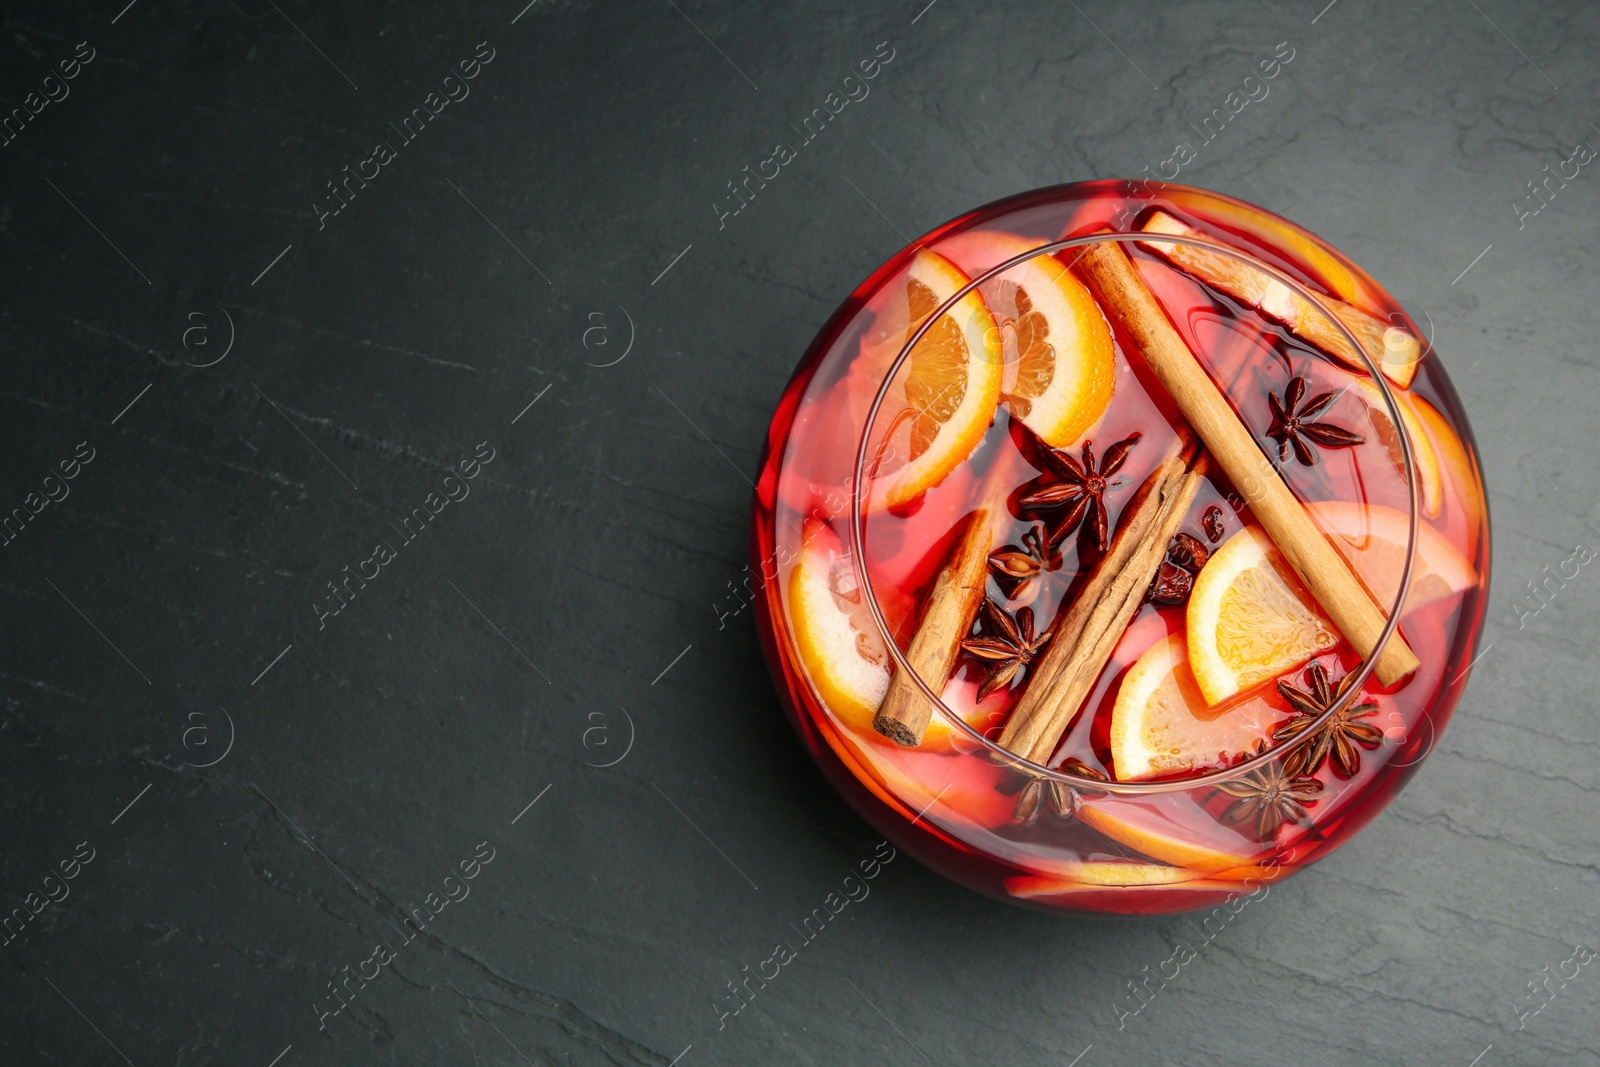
<point x="1250" y="618"/>
<point x="833" y="630"/>
<point x="945" y="394"/>
<point x="1162" y="725"/>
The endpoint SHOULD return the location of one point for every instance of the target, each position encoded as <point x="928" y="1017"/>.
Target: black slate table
<point x="411" y="363"/>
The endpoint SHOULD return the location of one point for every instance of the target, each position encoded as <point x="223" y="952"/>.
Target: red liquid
<point x="950" y="802"/>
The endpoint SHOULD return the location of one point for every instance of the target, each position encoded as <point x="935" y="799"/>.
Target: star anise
<point x="1340" y="735"/>
<point x="1046" y="794"/>
<point x="1275" y="794"/>
<point x="1081" y="489"/>
<point x="1006" y="645"/>
<point x="1016" y="568"/>
<point x="1292" y="428"/>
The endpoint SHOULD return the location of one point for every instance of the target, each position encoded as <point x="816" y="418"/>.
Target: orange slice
<point x="840" y="646"/>
<point x="1067" y="876"/>
<point x="975" y="251"/>
<point x="1156" y="898"/>
<point x="944" y="396"/>
<point x="1060" y="364"/>
<point x="1457" y="466"/>
<point x="1401" y="350"/>
<point x="1274" y="231"/>
<point x="1131" y="871"/>
<point x="1250" y="618"/>
<point x="1373" y="540"/>
<point x="833" y="630"/>
<point x="1161" y="724"/>
<point x="941" y="789"/>
<point x="1422" y="448"/>
<point x="1169" y="830"/>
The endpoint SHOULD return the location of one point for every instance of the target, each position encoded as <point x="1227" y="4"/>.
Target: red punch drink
<point x="1131" y="549"/>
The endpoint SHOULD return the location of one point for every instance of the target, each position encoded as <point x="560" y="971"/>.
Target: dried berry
<point x="1188" y="553"/>
<point x="1171" y="585"/>
<point x="1213" y="523"/>
<point x="1176" y="575"/>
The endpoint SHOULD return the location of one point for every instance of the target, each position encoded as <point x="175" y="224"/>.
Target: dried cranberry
<point x="1213" y="523"/>
<point x="1188" y="553"/>
<point x="1171" y="585"/>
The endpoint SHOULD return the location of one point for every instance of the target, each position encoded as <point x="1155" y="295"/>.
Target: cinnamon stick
<point x="1394" y="350"/>
<point x="952" y="605"/>
<point x="1130" y="305"/>
<point x="1088" y="630"/>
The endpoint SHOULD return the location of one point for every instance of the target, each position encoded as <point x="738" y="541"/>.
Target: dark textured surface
<point x="393" y="738"/>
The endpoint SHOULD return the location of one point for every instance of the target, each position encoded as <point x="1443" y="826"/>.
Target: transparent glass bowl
<point x="1041" y="834"/>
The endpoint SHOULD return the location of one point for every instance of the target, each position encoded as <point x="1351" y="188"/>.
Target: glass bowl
<point x="924" y="546"/>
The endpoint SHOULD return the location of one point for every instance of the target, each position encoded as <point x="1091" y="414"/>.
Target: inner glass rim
<point x="1006" y="756"/>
